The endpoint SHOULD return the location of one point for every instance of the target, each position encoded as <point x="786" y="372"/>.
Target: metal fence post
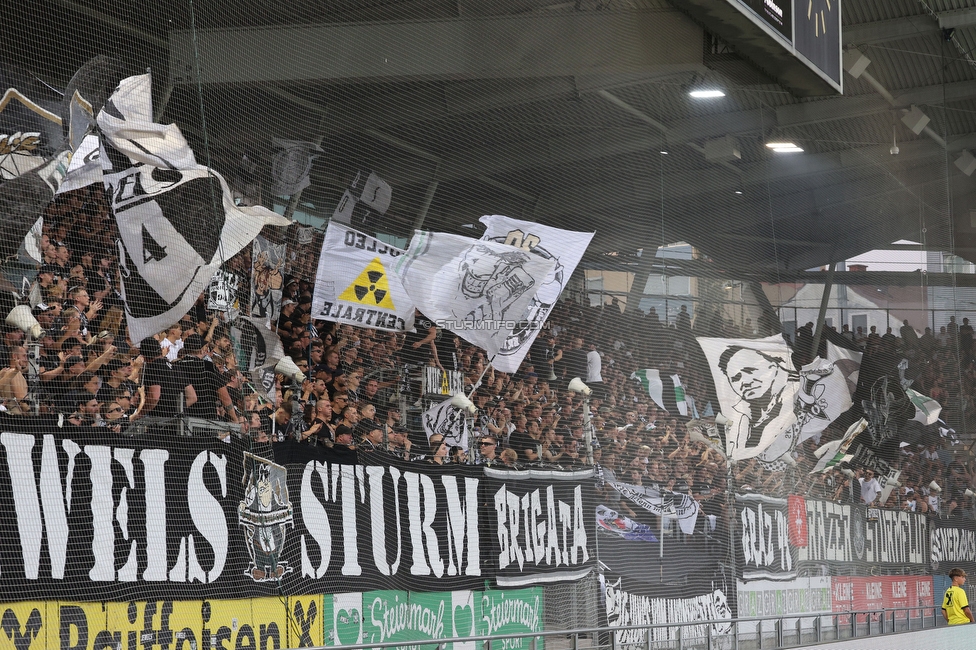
<point x="680" y="637"/>
<point x="779" y="633"/>
<point x="708" y="639"/>
<point x="759" y="633"/>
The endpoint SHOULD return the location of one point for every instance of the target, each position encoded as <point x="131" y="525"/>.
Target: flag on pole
<point x="839" y="451"/>
<point x="176" y="218"/>
<point x="448" y="421"/>
<point x="679" y="395"/>
<point x="756" y="385"/>
<point x="650" y="379"/>
<point x="624" y="527"/>
<point x="260" y="349"/>
<point x="478" y="289"/>
<point x="927" y="410"/>
<point x="291" y="165"/>
<point x="355" y="282"/>
<point x="564" y="247"/>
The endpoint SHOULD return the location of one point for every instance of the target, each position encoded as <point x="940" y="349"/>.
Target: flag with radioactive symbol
<point x="355" y="282"/>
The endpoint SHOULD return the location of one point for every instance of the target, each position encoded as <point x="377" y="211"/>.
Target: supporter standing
<point x="955" y="604"/>
<point x="164" y="384"/>
<point x="209" y="385"/>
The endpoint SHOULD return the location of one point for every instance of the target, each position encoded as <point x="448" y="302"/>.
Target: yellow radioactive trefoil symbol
<point x="370" y="287"/>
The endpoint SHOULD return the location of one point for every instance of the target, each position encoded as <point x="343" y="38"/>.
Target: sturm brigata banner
<point x="103" y="517"/>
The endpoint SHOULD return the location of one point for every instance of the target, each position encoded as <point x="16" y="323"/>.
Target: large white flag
<point x="478" y="289"/>
<point x="771" y="406"/>
<point x="176" y="218"/>
<point x="355" y="282"/>
<point x="756" y="385"/>
<point x="448" y="421"/>
<point x="564" y="247"/>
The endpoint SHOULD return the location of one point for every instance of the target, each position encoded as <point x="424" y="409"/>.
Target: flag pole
<point x="476" y="384"/>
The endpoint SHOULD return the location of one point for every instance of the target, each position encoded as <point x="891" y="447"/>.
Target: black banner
<point x="844" y="534"/>
<point x="542" y="526"/>
<point x="764" y="550"/>
<point x="628" y="604"/>
<point x="94" y="516"/>
<point x="953" y="544"/>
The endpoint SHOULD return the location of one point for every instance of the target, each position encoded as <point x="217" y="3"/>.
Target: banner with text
<point x="411" y="618"/>
<point x="840" y="534"/>
<point x="163" y="517"/>
<point x="626" y="607"/>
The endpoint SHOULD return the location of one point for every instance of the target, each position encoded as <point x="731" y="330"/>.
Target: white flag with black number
<point x="479" y="290"/>
<point x="564" y="247"/>
<point x="448" y="421"/>
<point x="177" y="220"/>
<point x="355" y="283"/>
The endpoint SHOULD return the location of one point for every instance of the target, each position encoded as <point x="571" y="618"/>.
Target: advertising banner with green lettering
<point x="411" y="618"/>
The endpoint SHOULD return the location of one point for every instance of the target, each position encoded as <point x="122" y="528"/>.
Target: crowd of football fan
<point x="358" y="378"/>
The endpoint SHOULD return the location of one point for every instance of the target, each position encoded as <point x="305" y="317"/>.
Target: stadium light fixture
<point x="706" y="93"/>
<point x="783" y="147"/>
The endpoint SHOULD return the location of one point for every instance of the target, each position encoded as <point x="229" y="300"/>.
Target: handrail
<point x="730" y="622"/>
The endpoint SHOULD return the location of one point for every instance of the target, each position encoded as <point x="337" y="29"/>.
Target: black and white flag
<point x="176" y="218"/>
<point x="261" y="350"/>
<point x="448" y="421"/>
<point x="267" y="279"/>
<point x="756" y="385"/>
<point x="479" y="290"/>
<point x="292" y="164"/>
<point x="564" y="247"/>
<point x="663" y="503"/>
<point x="356" y="204"/>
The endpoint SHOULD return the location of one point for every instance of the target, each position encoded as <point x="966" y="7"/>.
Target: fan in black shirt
<point x="164" y="383"/>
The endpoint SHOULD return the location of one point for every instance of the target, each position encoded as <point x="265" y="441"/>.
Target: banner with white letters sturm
<point x="96" y="516"/>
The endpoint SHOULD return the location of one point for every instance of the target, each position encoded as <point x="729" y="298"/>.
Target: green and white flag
<point x="650" y="379"/>
<point x="679" y="395"/>
<point x="927" y="410"/>
<point x="839" y="451"/>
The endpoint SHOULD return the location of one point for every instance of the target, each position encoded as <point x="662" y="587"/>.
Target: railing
<point x="768" y="633"/>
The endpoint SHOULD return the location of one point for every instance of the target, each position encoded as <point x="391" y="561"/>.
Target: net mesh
<point x="224" y="423"/>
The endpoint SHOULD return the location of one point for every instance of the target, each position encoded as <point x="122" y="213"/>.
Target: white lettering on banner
<point x="390" y="619"/>
<point x="332" y="506"/>
<point x="896" y="537"/>
<point x="953" y="545"/>
<point x="625" y="609"/>
<point x="524" y="536"/>
<point x="765" y="540"/>
<point x="110" y="517"/>
<point x="423" y="509"/>
<point x="828" y="532"/>
<point x="498" y="614"/>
